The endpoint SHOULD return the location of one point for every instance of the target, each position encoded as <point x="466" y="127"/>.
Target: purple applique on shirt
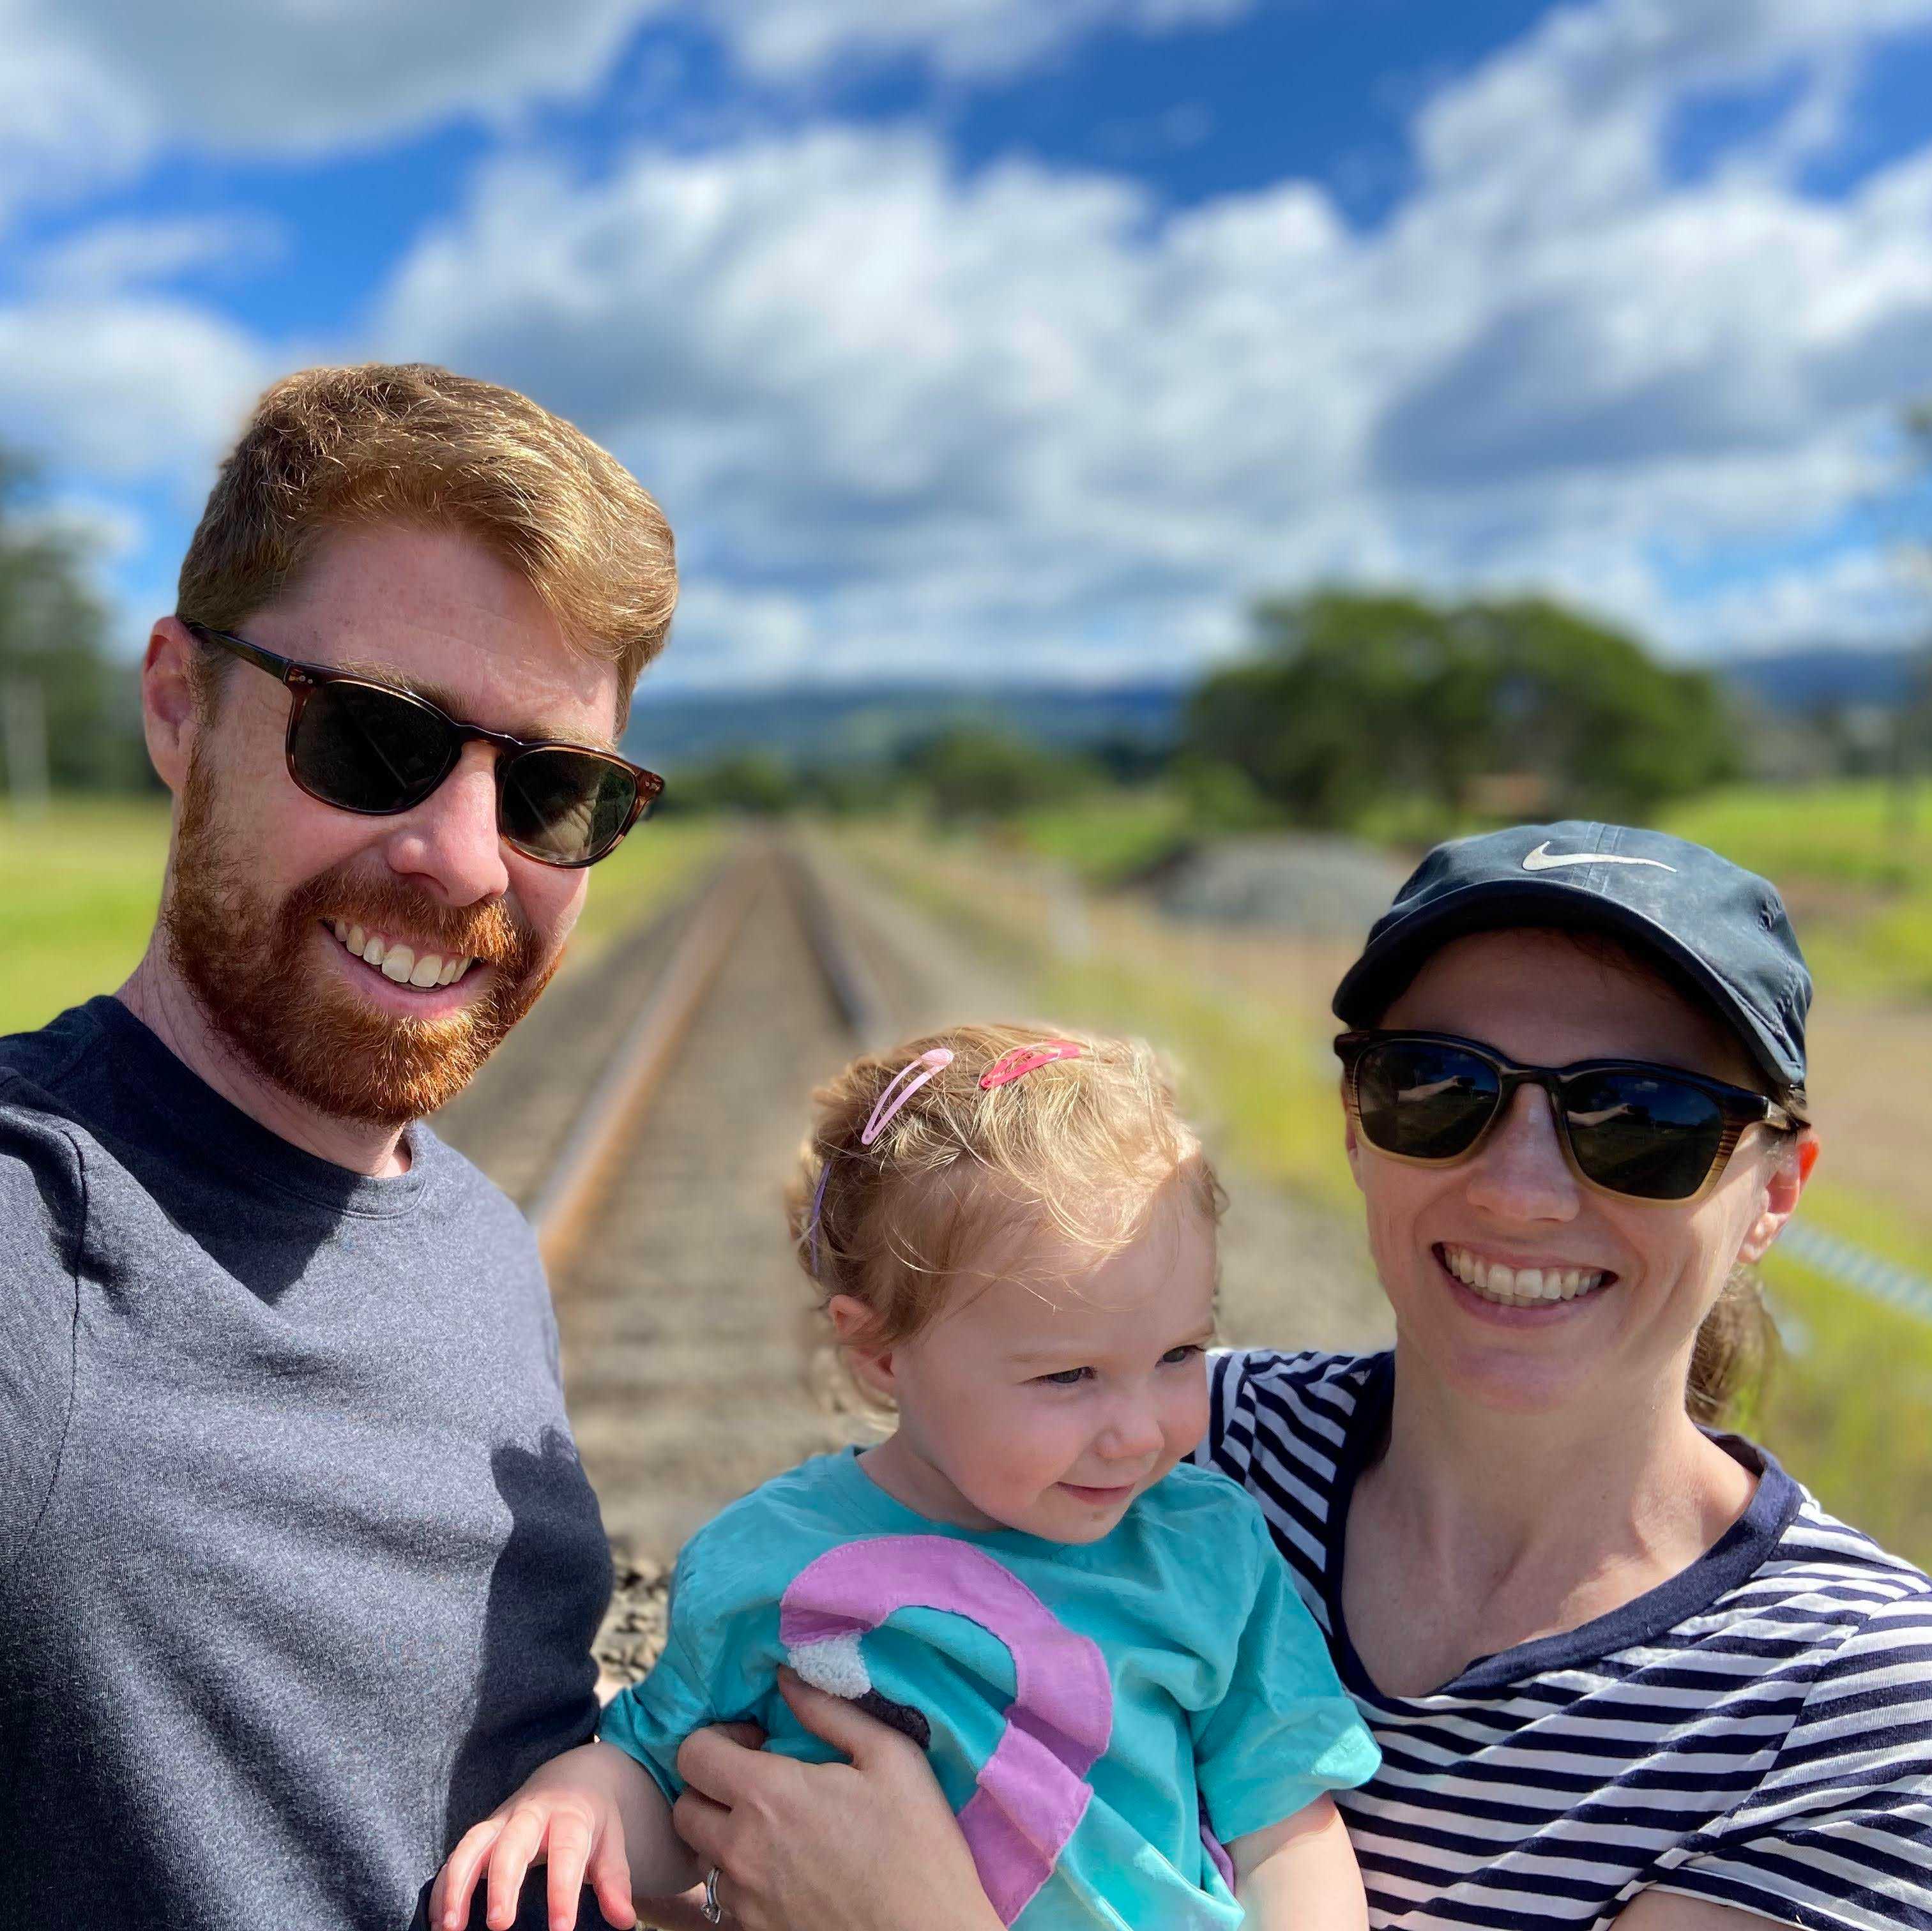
<point x="1032" y="1791"/>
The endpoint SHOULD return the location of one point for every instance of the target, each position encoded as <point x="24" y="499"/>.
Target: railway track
<point x="648" y="1129"/>
<point x="646" y="1116"/>
<point x="682" y="1308"/>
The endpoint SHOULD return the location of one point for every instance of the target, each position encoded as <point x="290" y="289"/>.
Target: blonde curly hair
<point x="1075" y="1151"/>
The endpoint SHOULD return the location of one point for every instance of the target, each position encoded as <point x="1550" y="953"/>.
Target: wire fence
<point x="1850" y="1266"/>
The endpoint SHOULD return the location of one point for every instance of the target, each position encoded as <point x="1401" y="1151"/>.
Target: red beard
<point x="250" y="965"/>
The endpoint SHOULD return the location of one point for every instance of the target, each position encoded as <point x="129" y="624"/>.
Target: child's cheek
<point x="1059" y="1440"/>
<point x="1016" y="1437"/>
<point x="1010" y="1437"/>
<point x="1196" y="1411"/>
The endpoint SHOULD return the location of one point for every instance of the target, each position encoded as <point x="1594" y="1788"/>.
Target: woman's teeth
<point x="402" y="963"/>
<point x="1519" y="1287"/>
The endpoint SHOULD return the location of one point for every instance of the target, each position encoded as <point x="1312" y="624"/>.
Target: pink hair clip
<point x="1024" y="1059"/>
<point x="907" y="1082"/>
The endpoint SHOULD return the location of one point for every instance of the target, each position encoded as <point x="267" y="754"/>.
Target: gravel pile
<point x="1319" y="888"/>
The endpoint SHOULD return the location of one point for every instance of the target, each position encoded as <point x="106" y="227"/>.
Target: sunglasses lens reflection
<point x="368" y="750"/>
<point x="565" y="807"/>
<point x="1651" y="1138"/>
<point x="1424" y="1101"/>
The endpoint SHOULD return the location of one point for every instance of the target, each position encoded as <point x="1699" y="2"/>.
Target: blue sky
<point x="999" y="337"/>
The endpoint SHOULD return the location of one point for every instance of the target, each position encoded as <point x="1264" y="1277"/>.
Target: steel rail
<point x="586" y="1163"/>
<point x="849" y="979"/>
<point x="568" y="1204"/>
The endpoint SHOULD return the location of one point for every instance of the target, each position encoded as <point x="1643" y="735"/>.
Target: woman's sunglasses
<point x="1647" y="1132"/>
<point x="370" y="748"/>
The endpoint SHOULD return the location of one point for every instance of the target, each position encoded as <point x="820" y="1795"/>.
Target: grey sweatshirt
<point x="298" y="1570"/>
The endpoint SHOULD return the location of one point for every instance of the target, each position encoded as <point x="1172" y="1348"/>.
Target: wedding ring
<point x="714" y="1912"/>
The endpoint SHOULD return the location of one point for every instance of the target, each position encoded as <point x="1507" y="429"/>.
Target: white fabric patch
<point x="833" y="1666"/>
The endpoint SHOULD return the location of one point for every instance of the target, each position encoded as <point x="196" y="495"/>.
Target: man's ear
<point x="854" y="1324"/>
<point x="1796" y="1159"/>
<point x="170" y="711"/>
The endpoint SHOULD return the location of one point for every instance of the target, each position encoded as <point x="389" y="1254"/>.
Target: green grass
<point x="80" y="886"/>
<point x="1848" y="1410"/>
<point x="659" y="858"/>
<point x="1869" y="1222"/>
<point x="1845" y="833"/>
<point x="1263" y="1078"/>
<point x="1859" y="881"/>
<point x="1107" y="838"/>
<point x="1271" y="1098"/>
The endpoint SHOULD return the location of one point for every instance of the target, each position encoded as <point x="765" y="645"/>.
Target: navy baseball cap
<point x="1723" y="928"/>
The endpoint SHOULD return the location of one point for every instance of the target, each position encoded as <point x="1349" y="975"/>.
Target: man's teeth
<point x="403" y="963"/>
<point x="1520" y="1287"/>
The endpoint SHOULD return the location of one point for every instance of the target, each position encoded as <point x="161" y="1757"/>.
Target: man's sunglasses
<point x="371" y="748"/>
<point x="1647" y="1132"/>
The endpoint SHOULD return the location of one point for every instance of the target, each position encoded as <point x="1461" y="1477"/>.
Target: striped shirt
<point x="1756" y="1732"/>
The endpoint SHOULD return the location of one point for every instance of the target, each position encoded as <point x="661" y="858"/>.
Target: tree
<point x="53" y="637"/>
<point x="973" y="772"/>
<point x="753" y="781"/>
<point x="1357" y="702"/>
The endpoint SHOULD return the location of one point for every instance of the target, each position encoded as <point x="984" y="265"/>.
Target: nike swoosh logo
<point x="1544" y="859"/>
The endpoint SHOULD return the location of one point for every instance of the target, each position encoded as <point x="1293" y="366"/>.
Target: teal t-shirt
<point x="1091" y="1707"/>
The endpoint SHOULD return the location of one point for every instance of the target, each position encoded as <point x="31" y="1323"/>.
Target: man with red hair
<point x="298" y="1570"/>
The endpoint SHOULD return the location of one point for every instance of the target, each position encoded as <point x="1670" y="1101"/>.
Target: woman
<point x="1620" y="1668"/>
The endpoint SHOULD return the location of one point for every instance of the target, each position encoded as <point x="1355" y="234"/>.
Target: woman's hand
<point x="867" y="1845"/>
<point x="682" y="1914"/>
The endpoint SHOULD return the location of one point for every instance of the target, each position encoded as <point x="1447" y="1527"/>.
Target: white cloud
<point x="90" y="89"/>
<point x="112" y="257"/>
<point x="124" y="388"/>
<point x="287" y="76"/>
<point x="1020" y="419"/>
<point x="65" y="126"/>
<point x="1027" y="421"/>
<point x="730" y="636"/>
<point x="788" y="40"/>
<point x="1862" y="596"/>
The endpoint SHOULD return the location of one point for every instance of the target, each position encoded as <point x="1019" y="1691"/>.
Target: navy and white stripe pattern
<point x="1755" y="1733"/>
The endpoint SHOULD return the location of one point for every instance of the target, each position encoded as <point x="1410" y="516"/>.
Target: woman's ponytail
<point x="1734" y="1350"/>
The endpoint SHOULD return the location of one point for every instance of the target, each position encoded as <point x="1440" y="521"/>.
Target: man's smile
<point x="398" y="962"/>
<point x="405" y="981"/>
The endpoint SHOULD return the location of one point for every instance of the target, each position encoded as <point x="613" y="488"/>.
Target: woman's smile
<point x="1519" y="1283"/>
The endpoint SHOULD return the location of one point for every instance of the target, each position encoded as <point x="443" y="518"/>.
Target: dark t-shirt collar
<point x="1736" y="1556"/>
<point x="211" y="1132"/>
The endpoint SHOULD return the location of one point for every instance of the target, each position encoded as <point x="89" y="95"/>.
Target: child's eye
<point x="1067" y="1378"/>
<point x="1174" y="1356"/>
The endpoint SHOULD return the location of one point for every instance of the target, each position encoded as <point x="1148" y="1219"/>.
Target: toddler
<point x="1013" y="1236"/>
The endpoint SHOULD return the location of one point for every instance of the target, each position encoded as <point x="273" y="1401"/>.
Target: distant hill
<point x="863" y="724"/>
<point x="816" y="724"/>
<point x="1824" y="678"/>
